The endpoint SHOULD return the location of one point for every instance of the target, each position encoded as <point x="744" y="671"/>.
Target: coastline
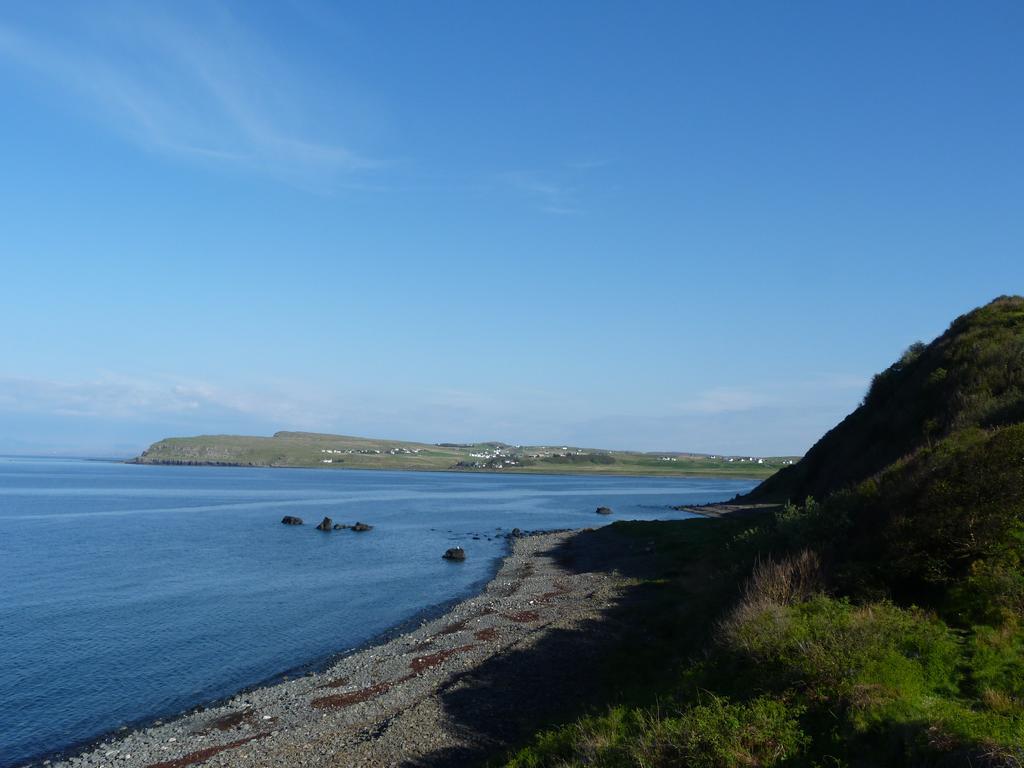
<point x="729" y="509"/>
<point x="320" y="665"/>
<point x="526" y="472"/>
<point x="379" y="705"/>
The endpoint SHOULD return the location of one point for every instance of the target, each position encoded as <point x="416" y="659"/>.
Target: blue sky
<point x="692" y="226"/>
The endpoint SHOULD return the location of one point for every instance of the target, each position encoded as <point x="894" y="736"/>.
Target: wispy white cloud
<point x="588" y="165"/>
<point x="124" y="398"/>
<point x="559" y="189"/>
<point x="725" y="400"/>
<point x="207" y="88"/>
<point x="543" y="190"/>
<point x="775" y="418"/>
<point x="790" y="394"/>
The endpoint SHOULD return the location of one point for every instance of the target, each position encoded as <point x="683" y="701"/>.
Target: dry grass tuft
<point x="785" y="582"/>
<point x="773" y="585"/>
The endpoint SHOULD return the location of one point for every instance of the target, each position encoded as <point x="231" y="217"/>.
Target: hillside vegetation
<point x="971" y="376"/>
<point x="875" y="619"/>
<point x="306" y="449"/>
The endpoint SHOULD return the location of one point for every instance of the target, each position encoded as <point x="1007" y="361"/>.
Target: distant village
<point x="510" y="456"/>
<point x="499" y="456"/>
<point x="367" y="452"/>
<point x="494" y="458"/>
<point x="753" y="459"/>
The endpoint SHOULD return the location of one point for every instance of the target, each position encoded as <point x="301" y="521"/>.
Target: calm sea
<point x="130" y="592"/>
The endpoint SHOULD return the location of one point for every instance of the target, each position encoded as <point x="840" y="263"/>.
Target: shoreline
<point x="733" y="508"/>
<point x="69" y="755"/>
<point x="223" y="464"/>
<point x="390" y="688"/>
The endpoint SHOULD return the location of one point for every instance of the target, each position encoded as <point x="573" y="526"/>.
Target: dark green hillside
<point x="879" y="625"/>
<point x="943" y="528"/>
<point x="972" y="375"/>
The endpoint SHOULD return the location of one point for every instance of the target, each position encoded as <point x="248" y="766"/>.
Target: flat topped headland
<point x="456" y="688"/>
<point x="308" y="449"/>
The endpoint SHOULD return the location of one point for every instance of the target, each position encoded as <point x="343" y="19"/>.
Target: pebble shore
<point x="381" y="706"/>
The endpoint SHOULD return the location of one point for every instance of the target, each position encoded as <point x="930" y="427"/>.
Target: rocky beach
<point x="456" y="688"/>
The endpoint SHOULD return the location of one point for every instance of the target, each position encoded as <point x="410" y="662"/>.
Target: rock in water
<point x="360" y="527"/>
<point x="289" y="520"/>
<point x="325" y="525"/>
<point x="340" y="526"/>
<point x="455" y="553"/>
<point x="603" y="511"/>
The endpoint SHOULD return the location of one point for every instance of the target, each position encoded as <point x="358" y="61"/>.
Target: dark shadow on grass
<point x="568" y="672"/>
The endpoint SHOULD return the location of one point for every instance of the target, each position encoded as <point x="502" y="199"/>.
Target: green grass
<point x="780" y="672"/>
<point x="715" y="734"/>
<point x="300" y="449"/>
<point x="880" y="626"/>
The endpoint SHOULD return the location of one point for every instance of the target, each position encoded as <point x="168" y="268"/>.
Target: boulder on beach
<point x="360" y="527"/>
<point x="604" y="511"/>
<point x="289" y="520"/>
<point x="455" y="553"/>
<point x="325" y="524"/>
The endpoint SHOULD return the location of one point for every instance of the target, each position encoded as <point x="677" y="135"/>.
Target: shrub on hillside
<point x="809" y="524"/>
<point x="835" y="650"/>
<point x="878" y="679"/>
<point x="944" y="527"/>
<point x="713" y="734"/>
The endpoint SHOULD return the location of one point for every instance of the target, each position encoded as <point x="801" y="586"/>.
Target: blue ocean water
<point x="133" y="592"/>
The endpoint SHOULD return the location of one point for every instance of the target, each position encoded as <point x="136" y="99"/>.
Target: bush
<point x="715" y="734"/>
<point x="997" y="665"/>
<point x="787" y="581"/>
<point x="809" y="525"/>
<point x="944" y="527"/>
<point x="854" y="655"/>
<point x="762" y="732"/>
<point x="597" y="741"/>
<point x="881" y="680"/>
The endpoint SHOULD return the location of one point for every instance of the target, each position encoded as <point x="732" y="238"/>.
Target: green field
<point x="305" y="449"/>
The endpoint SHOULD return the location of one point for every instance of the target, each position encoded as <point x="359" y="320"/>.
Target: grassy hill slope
<point x="879" y="625"/>
<point x="971" y="376"/>
<point x="305" y="449"/>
